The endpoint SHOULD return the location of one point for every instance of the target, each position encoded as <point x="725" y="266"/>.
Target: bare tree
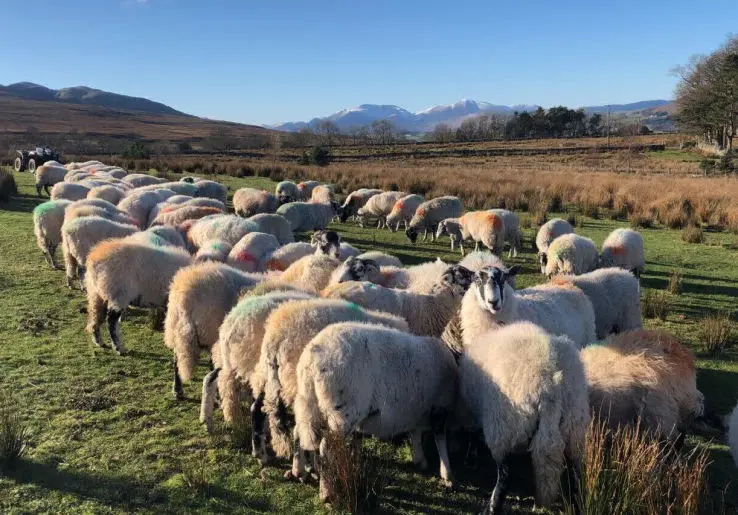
<point x="275" y="146"/>
<point x="442" y="133"/>
<point x="327" y="132"/>
<point x="383" y="132"/>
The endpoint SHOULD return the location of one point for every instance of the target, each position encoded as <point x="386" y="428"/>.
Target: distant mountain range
<point x="451" y="114"/>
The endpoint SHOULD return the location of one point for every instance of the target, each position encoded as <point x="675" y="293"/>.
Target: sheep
<point x="239" y="344"/>
<point x="179" y="188"/>
<point x="571" y="254"/>
<point x="329" y="243"/>
<point x="491" y="302"/>
<point x="48" y="219"/>
<point x="398" y="383"/>
<point x="546" y="234"/>
<point x="287" y="191"/>
<point x="643" y="377"/>
<point x="229" y="228"/>
<point x="213" y="250"/>
<point x="321" y="194"/>
<point x="79" y="211"/>
<point x="624" y="248"/>
<point x="527" y="391"/>
<point x="69" y="191"/>
<point x="307" y="216"/>
<point x="212" y="190"/>
<point x="180" y="215"/>
<point x="355" y="200"/>
<point x="200" y="296"/>
<point x="160" y="236"/>
<point x="288" y="330"/>
<point x="48" y="175"/>
<point x="381" y="258"/>
<point x="430" y="213"/>
<point x="276" y="225"/>
<point x="138" y="180"/>
<point x="111" y="287"/>
<point x="379" y="206"/>
<point x="139" y="203"/>
<point x="283" y="257"/>
<point x="110" y="193"/>
<point x="80" y="235"/>
<point x="77" y="176"/>
<point x="252" y="251"/>
<point x="403" y="211"/>
<point x="426" y="313"/>
<point x="205" y="202"/>
<point x="250" y="201"/>
<point x="615" y="296"/>
<point x="311" y="272"/>
<point x="733" y="434"/>
<point x="305" y="189"/>
<point x="419" y="278"/>
<point x="512" y="230"/>
<point x="483" y="227"/>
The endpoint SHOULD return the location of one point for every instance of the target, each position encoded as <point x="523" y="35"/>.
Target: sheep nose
<point x="495" y="304"/>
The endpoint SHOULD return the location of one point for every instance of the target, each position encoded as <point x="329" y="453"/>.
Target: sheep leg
<point x="425" y="234"/>
<point x="47" y="190"/>
<point x="324" y="491"/>
<point x="438" y="420"/>
<point x="379" y="223"/>
<point x="209" y="386"/>
<point x="500" y="491"/>
<point x="434" y="230"/>
<point x="81" y="273"/>
<point x="97" y="310"/>
<point x="476" y="246"/>
<point x="461" y="246"/>
<point x="114" y="329"/>
<point x="258" y="443"/>
<point x="38" y="190"/>
<point x="70" y="265"/>
<point x="416" y="440"/>
<point x="177" y="383"/>
<point x="453" y="243"/>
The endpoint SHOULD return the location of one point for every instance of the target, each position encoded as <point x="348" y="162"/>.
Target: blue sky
<point x="266" y="62"/>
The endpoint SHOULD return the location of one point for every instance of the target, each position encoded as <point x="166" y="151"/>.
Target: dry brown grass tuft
<point x="693" y="234"/>
<point x="717" y="333"/>
<point x="675" y="282"/>
<point x="656" y="304"/>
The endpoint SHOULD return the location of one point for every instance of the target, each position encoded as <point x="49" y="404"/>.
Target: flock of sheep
<point x="354" y="342"/>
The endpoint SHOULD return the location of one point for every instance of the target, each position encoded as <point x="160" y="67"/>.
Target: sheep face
<point x="543" y="260"/>
<point x="489" y="287"/>
<point x="327" y="243"/>
<point x="355" y="269"/>
<point x="285" y="199"/>
<point x="442" y="229"/>
<point x="412" y="234"/>
<point x="458" y="278"/>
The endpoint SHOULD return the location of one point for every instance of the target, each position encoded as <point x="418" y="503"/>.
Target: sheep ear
<point x="513" y="271"/>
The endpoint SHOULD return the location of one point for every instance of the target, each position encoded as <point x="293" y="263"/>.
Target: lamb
<point x="491" y="302"/>
<point x="430" y="213"/>
<point x="643" y="377"/>
<point x="213" y="250"/>
<point x="287" y="332"/>
<point x="426" y="313"/>
<point x="287" y="191"/>
<point x="47" y="176"/>
<point x="512" y="230"/>
<point x="399" y="383"/>
<point x="252" y="251"/>
<point x="239" y="344"/>
<point x="180" y="215"/>
<point x="312" y="273"/>
<point x="48" y="219"/>
<point x="138" y="180"/>
<point x="188" y="327"/>
<point x="110" y="193"/>
<point x="546" y="234"/>
<point x="69" y="191"/>
<point x="733" y="434"/>
<point x="305" y="189"/>
<point x="527" y="390"/>
<point x="321" y="194"/>
<point x="212" y="190"/>
<point x="111" y="287"/>
<point x="276" y="225"/>
<point x="379" y="206"/>
<point x="615" y="296"/>
<point x="355" y="200"/>
<point x="307" y="216"/>
<point x="571" y="254"/>
<point x="80" y="235"/>
<point x="624" y="248"/>
<point x="139" y="203"/>
<point x="483" y="227"/>
<point x="250" y="201"/>
<point x="229" y="228"/>
<point x="403" y="211"/>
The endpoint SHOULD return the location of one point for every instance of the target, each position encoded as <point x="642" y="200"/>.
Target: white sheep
<point x="430" y="213"/>
<point x="399" y="383"/>
<point x="179" y="188"/>
<point x="305" y="188"/>
<point x="111" y="287"/>
<point x="229" y="228"/>
<point x="159" y="236"/>
<point x="276" y="225"/>
<point x="200" y="296"/>
<point x="379" y="206"/>
<point x="213" y="250"/>
<point x="426" y="313"/>
<point x="485" y="227"/>
<point x="69" y="191"/>
<point x="312" y="273"/>
<point x="491" y="303"/>
<point x="419" y="278"/>
<point x="47" y="175"/>
<point x="546" y="234"/>
<point x="527" y="391"/>
<point x="571" y="254"/>
<point x="111" y="193"/>
<point x="252" y="251"/>
<point x="179" y="215"/>
<point x="403" y="211"/>
<point x="139" y="203"/>
<point x="80" y="235"/>
<point x="48" y="219"/>
<point x="624" y="248"/>
<point x="615" y="296"/>
<point x="355" y="200"/>
<point x="138" y="180"/>
<point x="322" y="194"/>
<point x="329" y="243"/>
<point x="287" y="191"/>
<point x="251" y="201"/>
<point x="512" y="230"/>
<point x="211" y="189"/>
<point x="381" y="258"/>
<point x="308" y="216"/>
<point x="285" y="256"/>
<point x="733" y="434"/>
<point x="644" y="378"/>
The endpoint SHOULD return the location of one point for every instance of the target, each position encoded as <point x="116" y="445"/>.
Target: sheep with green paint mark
<point x="571" y="254"/>
<point x="213" y="250"/>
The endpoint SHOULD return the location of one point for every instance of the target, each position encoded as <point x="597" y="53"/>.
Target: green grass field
<point x="106" y="436"/>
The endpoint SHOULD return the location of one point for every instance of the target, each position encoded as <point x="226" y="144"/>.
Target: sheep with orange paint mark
<point x="623" y="248"/>
<point x="252" y="251"/>
<point x="403" y="211"/>
<point x="485" y="227"/>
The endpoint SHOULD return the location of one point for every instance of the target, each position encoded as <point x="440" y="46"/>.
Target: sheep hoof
<point x="289" y="476"/>
<point x="448" y="483"/>
<point x="178" y="395"/>
<point x="121" y="352"/>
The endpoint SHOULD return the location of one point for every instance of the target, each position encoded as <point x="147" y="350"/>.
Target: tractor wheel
<point x="32" y="165"/>
<point x="18" y="164"/>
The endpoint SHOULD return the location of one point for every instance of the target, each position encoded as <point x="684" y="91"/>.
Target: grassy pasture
<point x="106" y="436"/>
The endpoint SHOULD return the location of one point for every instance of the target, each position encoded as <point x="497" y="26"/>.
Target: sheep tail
<point x="180" y="335"/>
<point x="229" y="394"/>
<point x="308" y="419"/>
<point x="207" y="405"/>
<point x="547" y="443"/>
<point x="276" y="412"/>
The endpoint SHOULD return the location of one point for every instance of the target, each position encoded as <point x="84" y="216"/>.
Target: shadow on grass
<point x="723" y="388"/>
<point x="22" y="203"/>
